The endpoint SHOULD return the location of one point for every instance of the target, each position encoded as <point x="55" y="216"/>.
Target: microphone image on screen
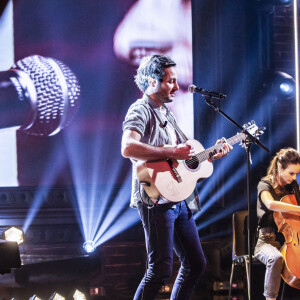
<point x="39" y="94"/>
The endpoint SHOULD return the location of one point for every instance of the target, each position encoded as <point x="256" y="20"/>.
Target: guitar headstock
<point x="253" y="129"/>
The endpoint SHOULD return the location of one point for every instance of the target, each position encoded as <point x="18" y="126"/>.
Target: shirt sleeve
<point x="136" y="119"/>
<point x="263" y="186"/>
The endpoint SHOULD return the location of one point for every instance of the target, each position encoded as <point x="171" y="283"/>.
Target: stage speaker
<point x="9" y="256"/>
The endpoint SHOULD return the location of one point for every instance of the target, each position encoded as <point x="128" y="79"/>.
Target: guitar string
<point x="205" y="154"/>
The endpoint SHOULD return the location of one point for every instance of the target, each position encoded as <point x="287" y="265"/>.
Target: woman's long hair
<point x="284" y="157"/>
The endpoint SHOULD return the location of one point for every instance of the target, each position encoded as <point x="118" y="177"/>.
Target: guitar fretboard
<point x="209" y="152"/>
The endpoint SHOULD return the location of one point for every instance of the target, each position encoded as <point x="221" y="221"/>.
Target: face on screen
<point x="157" y="27"/>
<point x="161" y="27"/>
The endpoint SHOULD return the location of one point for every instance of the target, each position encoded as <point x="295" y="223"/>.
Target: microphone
<point x="39" y="94"/>
<point x="192" y="89"/>
<point x="164" y="124"/>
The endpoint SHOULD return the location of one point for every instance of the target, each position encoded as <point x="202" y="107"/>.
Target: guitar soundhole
<point x="192" y="163"/>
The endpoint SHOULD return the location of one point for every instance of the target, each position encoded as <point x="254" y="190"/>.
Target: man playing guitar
<point x="167" y="225"/>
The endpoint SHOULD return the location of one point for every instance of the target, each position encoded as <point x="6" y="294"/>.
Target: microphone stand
<point x="250" y="139"/>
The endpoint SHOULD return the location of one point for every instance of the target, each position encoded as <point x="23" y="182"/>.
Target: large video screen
<point x="101" y="42"/>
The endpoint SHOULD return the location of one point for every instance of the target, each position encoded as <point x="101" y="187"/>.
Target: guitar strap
<point x="171" y="119"/>
<point x="181" y="136"/>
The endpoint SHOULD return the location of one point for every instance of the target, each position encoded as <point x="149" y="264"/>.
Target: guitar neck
<point x="209" y="152"/>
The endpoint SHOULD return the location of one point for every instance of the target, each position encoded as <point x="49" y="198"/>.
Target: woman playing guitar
<point x="279" y="182"/>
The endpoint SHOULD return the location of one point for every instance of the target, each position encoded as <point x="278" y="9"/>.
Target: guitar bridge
<point x="174" y="170"/>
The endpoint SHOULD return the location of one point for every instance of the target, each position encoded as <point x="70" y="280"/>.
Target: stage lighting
<point x="89" y="246"/>
<point x="97" y="291"/>
<point x="14" y="234"/>
<point x="270" y="3"/>
<point x="165" y="289"/>
<point x="56" y="296"/>
<point x="283" y="86"/>
<point x="34" y="297"/>
<point x="286" y="88"/>
<point x="79" y="295"/>
<point x="279" y="2"/>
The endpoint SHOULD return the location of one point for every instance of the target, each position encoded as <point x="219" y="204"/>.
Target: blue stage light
<point x="285" y="1"/>
<point x="89" y="246"/>
<point x="278" y="2"/>
<point x="51" y="170"/>
<point x="286" y="88"/>
<point x="56" y="296"/>
<point x="283" y="85"/>
<point x="103" y="210"/>
<point x="34" y="297"/>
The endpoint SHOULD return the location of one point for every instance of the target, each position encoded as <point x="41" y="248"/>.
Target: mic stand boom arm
<point x="249" y="139"/>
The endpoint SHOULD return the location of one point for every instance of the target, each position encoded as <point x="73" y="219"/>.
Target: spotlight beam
<point x="226" y="212"/>
<point x="103" y="210"/>
<point x="51" y="171"/>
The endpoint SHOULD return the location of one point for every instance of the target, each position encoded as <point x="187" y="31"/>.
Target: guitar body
<point x="159" y="177"/>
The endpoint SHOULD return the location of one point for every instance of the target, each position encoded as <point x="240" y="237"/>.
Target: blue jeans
<point x="169" y="227"/>
<point x="266" y="250"/>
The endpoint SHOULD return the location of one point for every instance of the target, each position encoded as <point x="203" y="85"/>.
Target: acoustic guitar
<point x="175" y="180"/>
